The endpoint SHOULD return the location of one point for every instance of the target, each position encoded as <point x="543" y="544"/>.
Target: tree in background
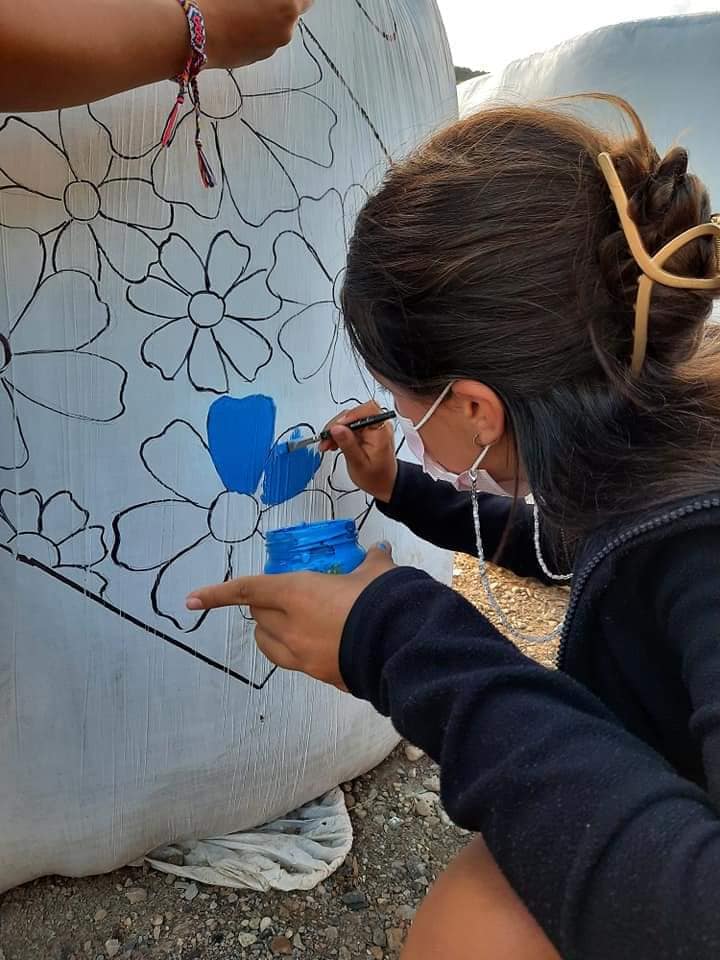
<point x="465" y="73"/>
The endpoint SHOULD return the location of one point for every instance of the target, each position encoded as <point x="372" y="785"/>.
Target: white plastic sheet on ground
<point x="295" y="852"/>
<point x="158" y="339"/>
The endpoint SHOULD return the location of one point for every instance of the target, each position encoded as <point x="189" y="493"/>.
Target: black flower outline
<point x="320" y="243"/>
<point x="40" y="359"/>
<point x="76" y="203"/>
<point x="55" y="533"/>
<point x="210" y="313"/>
<point x="195" y="517"/>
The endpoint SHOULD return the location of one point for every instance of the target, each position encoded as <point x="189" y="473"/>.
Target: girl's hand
<point x="243" y="31"/>
<point x="299" y="617"/>
<point x="369" y="453"/>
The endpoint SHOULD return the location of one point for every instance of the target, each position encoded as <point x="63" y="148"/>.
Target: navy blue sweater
<point x="596" y="787"/>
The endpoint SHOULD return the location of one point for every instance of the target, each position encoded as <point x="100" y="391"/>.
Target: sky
<point x="487" y="35"/>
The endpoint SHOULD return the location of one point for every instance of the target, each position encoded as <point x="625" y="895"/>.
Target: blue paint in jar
<point x="330" y="546"/>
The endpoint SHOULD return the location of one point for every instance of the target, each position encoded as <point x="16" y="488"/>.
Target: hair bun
<point x="664" y="187"/>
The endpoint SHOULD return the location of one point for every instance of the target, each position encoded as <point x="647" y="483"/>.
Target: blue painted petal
<point x="287" y="474"/>
<point x="240" y="435"/>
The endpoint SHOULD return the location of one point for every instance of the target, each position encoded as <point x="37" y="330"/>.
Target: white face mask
<point x="461" y="481"/>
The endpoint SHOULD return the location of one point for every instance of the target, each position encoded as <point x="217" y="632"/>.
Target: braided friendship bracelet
<point x="188" y="84"/>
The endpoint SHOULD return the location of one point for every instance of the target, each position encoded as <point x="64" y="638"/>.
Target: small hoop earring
<point x="477" y="441"/>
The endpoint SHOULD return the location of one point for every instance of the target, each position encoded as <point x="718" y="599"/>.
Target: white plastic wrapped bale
<point x="157" y="341"/>
<point x="667" y="68"/>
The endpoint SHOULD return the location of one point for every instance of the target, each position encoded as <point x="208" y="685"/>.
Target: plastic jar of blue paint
<point x="326" y="547"/>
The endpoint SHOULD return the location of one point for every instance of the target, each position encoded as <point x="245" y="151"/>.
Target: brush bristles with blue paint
<point x="353" y="425"/>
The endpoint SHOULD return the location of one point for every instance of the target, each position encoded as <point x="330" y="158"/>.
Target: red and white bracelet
<point x="188" y="84"/>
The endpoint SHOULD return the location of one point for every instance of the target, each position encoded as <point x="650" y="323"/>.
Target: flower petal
<point x="133" y="200"/>
<point x="287" y="474"/>
<point x="350" y="381"/>
<point x="128" y="140"/>
<point x="20" y="208"/>
<point x="78" y="385"/>
<point x="313" y="123"/>
<point x="65" y="314"/>
<point x="226" y="99"/>
<point x="322" y="224"/>
<point x="62" y="516"/>
<point x="297" y="274"/>
<point x="278" y="195"/>
<point x="307" y="338"/>
<point x="179" y="460"/>
<point x="240" y="433"/>
<point x="76" y="249"/>
<point x="309" y="505"/>
<point x="22" y="509"/>
<point x="6" y="531"/>
<point x="206" y="368"/>
<point x="175" y="170"/>
<point x="86" y="145"/>
<point x="168" y="347"/>
<point x="353" y="201"/>
<point x="246" y="350"/>
<point x="208" y="560"/>
<point x="13" y="450"/>
<point x="250" y="299"/>
<point x="126" y="248"/>
<point x="91" y="582"/>
<point x="21" y="268"/>
<point x="158" y="298"/>
<point x="36" y="547"/>
<point x="150" y="534"/>
<point x="292" y="67"/>
<point x="227" y="261"/>
<point x="31" y="160"/>
<point x="182" y="264"/>
<point x="84" y="548"/>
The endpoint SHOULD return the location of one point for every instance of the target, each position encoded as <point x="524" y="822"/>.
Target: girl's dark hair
<point x="495" y="253"/>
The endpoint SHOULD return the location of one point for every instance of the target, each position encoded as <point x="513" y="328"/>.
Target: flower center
<point x="233" y="517"/>
<point x="82" y="200"/>
<point x="206" y="309"/>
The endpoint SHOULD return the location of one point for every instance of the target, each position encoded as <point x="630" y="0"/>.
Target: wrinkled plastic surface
<point x="159" y="341"/>
<point x="667" y="68"/>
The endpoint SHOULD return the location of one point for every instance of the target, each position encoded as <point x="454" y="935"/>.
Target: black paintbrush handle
<point x="363" y="422"/>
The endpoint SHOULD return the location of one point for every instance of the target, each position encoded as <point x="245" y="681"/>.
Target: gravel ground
<point x="403" y="839"/>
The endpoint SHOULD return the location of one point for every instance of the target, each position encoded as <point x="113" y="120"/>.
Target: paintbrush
<point x="353" y="425"/>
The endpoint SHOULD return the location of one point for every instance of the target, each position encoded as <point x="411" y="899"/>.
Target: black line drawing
<point x="312" y="338"/>
<point x="210" y="307"/>
<point x="56" y="574"/>
<point x="387" y="34"/>
<point x="106" y="206"/>
<point x="50" y="365"/>
<point x="300" y="72"/>
<point x="70" y="193"/>
<point x="306" y="31"/>
<point x="56" y="533"/>
<point x="203" y="520"/>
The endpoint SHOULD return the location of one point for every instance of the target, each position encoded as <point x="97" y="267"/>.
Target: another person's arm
<point x="61" y="54"/>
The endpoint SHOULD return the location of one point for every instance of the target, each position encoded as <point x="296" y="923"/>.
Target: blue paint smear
<point x="287" y="474"/>
<point x="240" y="435"/>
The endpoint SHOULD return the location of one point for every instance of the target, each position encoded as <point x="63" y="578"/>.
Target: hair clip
<point x="652" y="267"/>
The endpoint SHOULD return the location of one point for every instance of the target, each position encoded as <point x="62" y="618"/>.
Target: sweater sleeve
<point x="435" y="511"/>
<point x="613" y="853"/>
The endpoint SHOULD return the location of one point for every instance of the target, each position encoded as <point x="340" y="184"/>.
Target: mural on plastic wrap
<point x="219" y="289"/>
<point x="159" y="345"/>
